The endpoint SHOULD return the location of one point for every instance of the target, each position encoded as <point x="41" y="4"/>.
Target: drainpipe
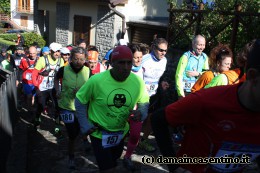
<point x="120" y="15"/>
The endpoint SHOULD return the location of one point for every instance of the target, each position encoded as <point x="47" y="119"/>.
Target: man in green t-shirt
<point x="111" y="97"/>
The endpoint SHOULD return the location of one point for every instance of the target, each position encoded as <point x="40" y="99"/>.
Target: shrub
<point x="29" y="38"/>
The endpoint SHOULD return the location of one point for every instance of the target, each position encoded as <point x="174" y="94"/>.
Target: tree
<point x="218" y="20"/>
<point x="5" y="6"/>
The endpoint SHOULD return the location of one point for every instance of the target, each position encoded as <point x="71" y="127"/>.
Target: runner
<point x="72" y="77"/>
<point x="26" y="66"/>
<point x="220" y="60"/>
<point x="43" y="79"/>
<point x="110" y="107"/>
<point x="135" y="126"/>
<point x="92" y="62"/>
<point x="231" y="77"/>
<point x="154" y="65"/>
<point x="65" y="54"/>
<point x="190" y="66"/>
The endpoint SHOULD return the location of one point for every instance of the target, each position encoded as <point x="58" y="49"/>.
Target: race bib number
<point x="237" y="155"/>
<point x="151" y="87"/>
<point x="28" y="76"/>
<point x="110" y="139"/>
<point x="67" y="116"/>
<point x="188" y="84"/>
<point x="17" y="62"/>
<point x="48" y="82"/>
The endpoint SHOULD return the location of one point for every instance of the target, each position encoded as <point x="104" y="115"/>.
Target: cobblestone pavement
<point x="47" y="153"/>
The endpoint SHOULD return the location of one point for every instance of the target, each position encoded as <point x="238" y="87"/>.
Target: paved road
<point x="40" y="151"/>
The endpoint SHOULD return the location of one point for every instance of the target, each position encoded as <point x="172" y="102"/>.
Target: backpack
<point x="48" y="68"/>
<point x="234" y="76"/>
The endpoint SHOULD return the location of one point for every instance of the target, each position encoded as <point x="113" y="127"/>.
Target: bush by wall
<point x="29" y="38"/>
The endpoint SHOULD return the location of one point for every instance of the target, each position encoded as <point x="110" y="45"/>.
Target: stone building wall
<point x="104" y="30"/>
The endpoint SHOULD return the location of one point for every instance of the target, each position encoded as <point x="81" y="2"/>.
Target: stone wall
<point x="104" y="30"/>
<point x="62" y="21"/>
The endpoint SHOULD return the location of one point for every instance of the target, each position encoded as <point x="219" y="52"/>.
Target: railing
<point x="227" y="19"/>
<point x="8" y="113"/>
<point x="7" y="95"/>
<point x="24" y="9"/>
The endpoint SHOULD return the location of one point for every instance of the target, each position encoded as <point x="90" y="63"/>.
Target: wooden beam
<point x="220" y="12"/>
<point x="117" y="2"/>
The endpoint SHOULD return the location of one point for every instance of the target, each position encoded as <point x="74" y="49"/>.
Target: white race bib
<point x="67" y="116"/>
<point x="151" y="87"/>
<point x="28" y="76"/>
<point x="188" y="84"/>
<point x="110" y="139"/>
<point x="236" y="151"/>
<point x="17" y="62"/>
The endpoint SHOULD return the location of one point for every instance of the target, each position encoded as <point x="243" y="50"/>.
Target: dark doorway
<point x="81" y="28"/>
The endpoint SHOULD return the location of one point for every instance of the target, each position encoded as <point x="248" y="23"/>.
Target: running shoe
<point x="145" y="145"/>
<point x="57" y="133"/>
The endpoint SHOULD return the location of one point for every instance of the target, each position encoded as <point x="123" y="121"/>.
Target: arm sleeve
<point x="218" y="81"/>
<point x="143" y="108"/>
<point x="179" y="75"/>
<point x="206" y="64"/>
<point x="81" y="114"/>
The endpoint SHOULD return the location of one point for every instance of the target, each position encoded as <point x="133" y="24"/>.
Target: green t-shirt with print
<point x="110" y="101"/>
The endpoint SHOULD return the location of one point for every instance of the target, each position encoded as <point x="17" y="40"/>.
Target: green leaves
<point x="5" y="6"/>
<point x="217" y="24"/>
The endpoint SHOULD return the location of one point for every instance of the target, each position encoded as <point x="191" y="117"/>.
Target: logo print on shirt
<point x="119" y="100"/>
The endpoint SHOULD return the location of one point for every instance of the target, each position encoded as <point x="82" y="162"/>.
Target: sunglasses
<point x="55" y="51"/>
<point x="161" y="50"/>
<point x="67" y="54"/>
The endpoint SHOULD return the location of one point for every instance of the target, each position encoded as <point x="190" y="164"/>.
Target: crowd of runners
<point x="112" y="99"/>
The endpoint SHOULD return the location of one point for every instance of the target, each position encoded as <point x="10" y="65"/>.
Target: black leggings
<point x="162" y="135"/>
<point x="42" y="97"/>
<point x="106" y="157"/>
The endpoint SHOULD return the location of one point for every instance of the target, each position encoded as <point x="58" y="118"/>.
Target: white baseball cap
<point x="64" y="50"/>
<point x="55" y="46"/>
